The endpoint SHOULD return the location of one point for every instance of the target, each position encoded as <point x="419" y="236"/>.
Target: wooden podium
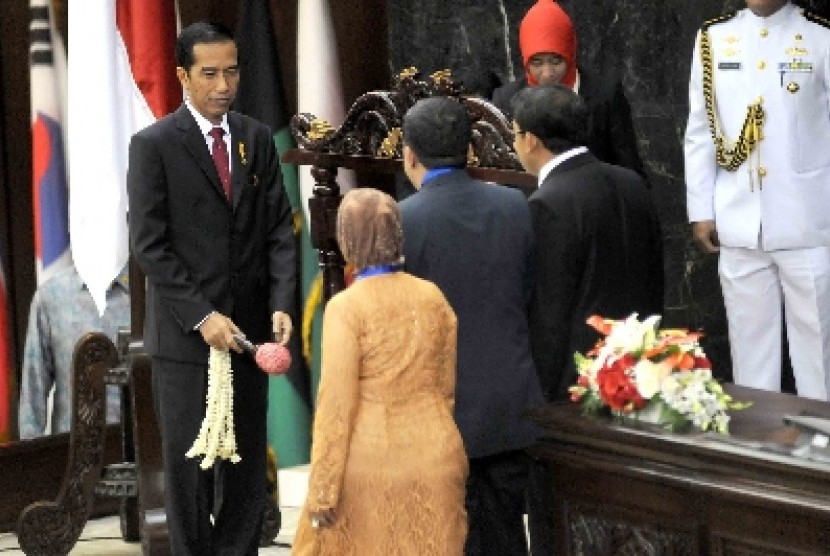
<point x="634" y="489"/>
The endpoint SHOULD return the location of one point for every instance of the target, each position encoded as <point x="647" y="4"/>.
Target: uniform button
<point x="762" y="172"/>
<point x="764" y="32"/>
<point x="761" y="64"/>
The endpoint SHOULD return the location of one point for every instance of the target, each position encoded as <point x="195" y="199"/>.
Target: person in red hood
<point x="548" y="45"/>
<point x="547" y="41"/>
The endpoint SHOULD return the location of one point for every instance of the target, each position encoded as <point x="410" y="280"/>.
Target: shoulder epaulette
<point x="815" y="18"/>
<point x="719" y="19"/>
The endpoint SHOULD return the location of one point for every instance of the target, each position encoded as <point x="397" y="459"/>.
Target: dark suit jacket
<point x="599" y="252"/>
<point x="201" y="253"/>
<point x="474" y="240"/>
<point x="611" y="135"/>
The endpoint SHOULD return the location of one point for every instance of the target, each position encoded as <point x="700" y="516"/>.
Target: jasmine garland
<point x="216" y="436"/>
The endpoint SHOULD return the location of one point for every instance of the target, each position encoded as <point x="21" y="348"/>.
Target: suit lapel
<point x="240" y="156"/>
<point x="196" y="145"/>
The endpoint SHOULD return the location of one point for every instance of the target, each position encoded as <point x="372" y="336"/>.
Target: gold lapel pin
<point x="242" y="158"/>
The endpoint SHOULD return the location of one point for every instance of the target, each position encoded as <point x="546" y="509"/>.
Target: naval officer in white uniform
<point x="757" y="154"/>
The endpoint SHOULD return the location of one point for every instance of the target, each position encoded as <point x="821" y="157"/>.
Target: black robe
<point x="611" y="135"/>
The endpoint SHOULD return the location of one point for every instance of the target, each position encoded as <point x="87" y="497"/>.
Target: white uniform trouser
<point x="755" y="285"/>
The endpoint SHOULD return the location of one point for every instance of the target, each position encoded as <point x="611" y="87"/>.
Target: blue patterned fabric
<point x="62" y="311"/>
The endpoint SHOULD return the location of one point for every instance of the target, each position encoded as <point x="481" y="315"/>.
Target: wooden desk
<point x="634" y="489"/>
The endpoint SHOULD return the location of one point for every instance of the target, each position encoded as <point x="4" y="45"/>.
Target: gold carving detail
<point x="320" y="129"/>
<point x="389" y="146"/>
<point x="441" y="76"/>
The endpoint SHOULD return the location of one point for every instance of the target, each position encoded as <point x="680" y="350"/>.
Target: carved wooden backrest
<point x="53" y="527"/>
<point x="372" y="126"/>
<point x="370" y="139"/>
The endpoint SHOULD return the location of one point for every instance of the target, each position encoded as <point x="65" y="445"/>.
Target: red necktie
<point x="219" y="152"/>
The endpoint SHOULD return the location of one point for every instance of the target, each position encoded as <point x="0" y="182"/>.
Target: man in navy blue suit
<point x="475" y="241"/>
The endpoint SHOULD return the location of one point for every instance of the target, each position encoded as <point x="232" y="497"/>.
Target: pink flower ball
<point x="273" y="358"/>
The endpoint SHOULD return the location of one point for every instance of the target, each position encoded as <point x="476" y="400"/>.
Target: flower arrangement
<point x="638" y="367"/>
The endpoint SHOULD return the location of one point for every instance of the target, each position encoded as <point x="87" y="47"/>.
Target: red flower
<point x="702" y="363"/>
<point x="616" y="388"/>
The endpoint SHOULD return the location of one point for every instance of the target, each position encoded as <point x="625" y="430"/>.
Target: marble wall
<point x="652" y="42"/>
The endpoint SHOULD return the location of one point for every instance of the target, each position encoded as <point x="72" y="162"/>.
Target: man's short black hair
<point x="438" y="130"/>
<point x="201" y="32"/>
<point x="554" y="114"/>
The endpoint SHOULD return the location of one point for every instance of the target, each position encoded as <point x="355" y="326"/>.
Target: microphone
<point x="271" y="357"/>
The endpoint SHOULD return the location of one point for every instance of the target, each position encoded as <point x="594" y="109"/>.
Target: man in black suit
<point x="597" y="234"/>
<point x="474" y="240"/>
<point x="210" y="226"/>
<point x="598" y="243"/>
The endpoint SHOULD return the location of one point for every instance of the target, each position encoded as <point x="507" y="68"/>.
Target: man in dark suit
<point x="597" y="234"/>
<point x="598" y="243"/>
<point x="210" y="225"/>
<point x="474" y="240"/>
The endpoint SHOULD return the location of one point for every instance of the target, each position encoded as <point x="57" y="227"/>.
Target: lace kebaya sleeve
<point x="336" y="405"/>
<point x="448" y="364"/>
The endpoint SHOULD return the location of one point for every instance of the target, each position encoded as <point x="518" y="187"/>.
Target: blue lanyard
<point x="433" y="173"/>
<point x="378" y="269"/>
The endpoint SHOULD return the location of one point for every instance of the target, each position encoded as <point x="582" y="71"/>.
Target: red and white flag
<point x="7" y="371"/>
<point x="48" y="103"/>
<point x="318" y="80"/>
<point x="121" y="79"/>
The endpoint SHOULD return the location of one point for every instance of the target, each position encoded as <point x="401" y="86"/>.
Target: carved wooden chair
<point x="53" y="527"/>
<point x="369" y="140"/>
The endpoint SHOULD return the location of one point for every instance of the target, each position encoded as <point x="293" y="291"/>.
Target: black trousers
<point x="495" y="503"/>
<point x="232" y="494"/>
<point x="540" y="510"/>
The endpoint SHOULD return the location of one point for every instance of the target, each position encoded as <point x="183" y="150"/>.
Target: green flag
<point x="261" y="96"/>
